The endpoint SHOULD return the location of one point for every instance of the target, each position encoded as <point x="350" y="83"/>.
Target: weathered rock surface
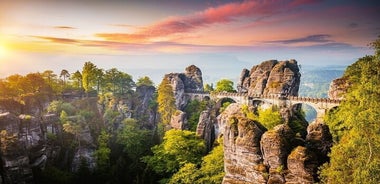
<point x="271" y="78"/>
<point x="30" y="141"/>
<point x="243" y="162"/>
<point x="22" y="147"/>
<point x="338" y="88"/>
<point x="302" y="166"/>
<point x="254" y="155"/>
<point x="319" y="140"/>
<point x="190" y="80"/>
<point x="275" y="147"/>
<point x="206" y="128"/>
<point x="179" y="120"/>
<point x="143" y="109"/>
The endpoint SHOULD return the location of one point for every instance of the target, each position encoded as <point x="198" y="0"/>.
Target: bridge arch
<point x="221" y="101"/>
<point x="309" y="111"/>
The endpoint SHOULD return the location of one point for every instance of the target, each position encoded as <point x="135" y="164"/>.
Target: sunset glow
<point x="3" y="51"/>
<point x="56" y="34"/>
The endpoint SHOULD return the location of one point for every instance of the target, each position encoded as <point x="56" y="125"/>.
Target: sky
<point x="154" y="37"/>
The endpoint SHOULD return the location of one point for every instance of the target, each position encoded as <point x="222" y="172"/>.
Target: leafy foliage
<point x="166" y="101"/>
<point x="193" y="109"/>
<point x="211" y="170"/>
<point x="144" y="81"/>
<point x="225" y="85"/>
<point x="354" y="157"/>
<point x="88" y="76"/>
<point x="270" y="117"/>
<point x="178" y="148"/>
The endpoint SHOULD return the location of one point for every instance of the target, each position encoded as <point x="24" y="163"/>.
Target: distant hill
<point x="315" y="81"/>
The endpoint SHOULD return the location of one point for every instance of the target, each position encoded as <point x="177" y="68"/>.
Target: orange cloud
<point x="58" y="40"/>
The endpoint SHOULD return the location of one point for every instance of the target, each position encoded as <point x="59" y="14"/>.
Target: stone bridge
<point x="321" y="105"/>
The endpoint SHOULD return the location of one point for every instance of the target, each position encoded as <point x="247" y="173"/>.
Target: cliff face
<point x="143" y="109"/>
<point x="190" y="80"/>
<point x="253" y="154"/>
<point x="23" y="144"/>
<point x="243" y="161"/>
<point x="271" y="78"/>
<point x="338" y="88"/>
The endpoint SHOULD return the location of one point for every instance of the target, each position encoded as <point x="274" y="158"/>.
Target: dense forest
<point x="112" y="129"/>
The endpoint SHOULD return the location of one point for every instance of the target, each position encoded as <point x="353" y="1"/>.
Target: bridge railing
<point x="270" y="96"/>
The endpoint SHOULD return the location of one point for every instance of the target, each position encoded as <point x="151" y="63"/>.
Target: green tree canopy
<point x="178" y="148"/>
<point x="270" y="117"/>
<point x="355" y="126"/>
<point x="166" y="101"/>
<point x="89" y="75"/>
<point x="144" y="81"/>
<point x="225" y="85"/>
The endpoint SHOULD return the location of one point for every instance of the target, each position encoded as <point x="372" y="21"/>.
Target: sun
<point x="3" y="51"/>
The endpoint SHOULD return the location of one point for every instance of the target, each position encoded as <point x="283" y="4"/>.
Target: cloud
<point x="64" y="27"/>
<point x="317" y="38"/>
<point x="222" y="14"/>
<point x="57" y="40"/>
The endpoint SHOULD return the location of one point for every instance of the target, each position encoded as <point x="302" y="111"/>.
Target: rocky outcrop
<point x="178" y="120"/>
<point x="338" y="88"/>
<point x="319" y="140"/>
<point x="22" y="146"/>
<point x="243" y="162"/>
<point x="275" y="147"/>
<point x="143" y="108"/>
<point x="302" y="166"/>
<point x="206" y="128"/>
<point x="280" y="155"/>
<point x="189" y="81"/>
<point x="271" y="78"/>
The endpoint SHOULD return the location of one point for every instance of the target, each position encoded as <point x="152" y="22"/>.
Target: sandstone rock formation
<point x="30" y="140"/>
<point x="243" y="162"/>
<point x="178" y="120"/>
<point x="206" y="128"/>
<point x="338" y="88"/>
<point x="253" y="154"/>
<point x="302" y="166"/>
<point x="189" y="81"/>
<point x="319" y="140"/>
<point x="271" y="78"/>
<point x="275" y="147"/>
<point x="22" y="146"/>
<point x="143" y="109"/>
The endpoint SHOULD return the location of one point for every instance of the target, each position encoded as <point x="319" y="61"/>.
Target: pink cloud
<point x="221" y="14"/>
